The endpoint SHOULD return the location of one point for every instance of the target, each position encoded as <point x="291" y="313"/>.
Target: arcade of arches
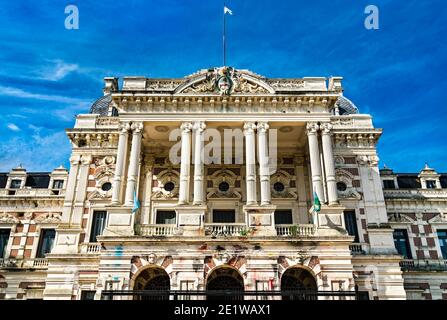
<point x="225" y="278"/>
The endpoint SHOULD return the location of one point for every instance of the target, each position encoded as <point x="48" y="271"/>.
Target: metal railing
<point x="226" y="229"/>
<point x="148" y="230"/>
<point x="228" y="295"/>
<point x="292" y="230"/>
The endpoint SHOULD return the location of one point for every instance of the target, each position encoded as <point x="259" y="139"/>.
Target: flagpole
<point x="224" y="35"/>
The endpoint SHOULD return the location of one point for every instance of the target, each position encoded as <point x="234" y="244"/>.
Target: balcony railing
<point x="149" y="230"/>
<point x="90" y="248"/>
<point x="423" y="265"/>
<point x="356" y="248"/>
<point x="226" y="229"/>
<point x="293" y="230"/>
<point x="39" y="263"/>
<point x="32" y="192"/>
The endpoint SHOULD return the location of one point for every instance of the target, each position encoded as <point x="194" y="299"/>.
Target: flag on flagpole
<point x="227" y="10"/>
<point x="136" y="202"/>
<point x="317" y="203"/>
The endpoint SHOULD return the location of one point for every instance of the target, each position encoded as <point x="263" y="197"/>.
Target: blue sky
<point x="49" y="74"/>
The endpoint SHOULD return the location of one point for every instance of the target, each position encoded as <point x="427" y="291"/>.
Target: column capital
<point x="368" y="160"/>
<point x="124" y="127"/>
<point x="86" y="160"/>
<point x="199" y="126"/>
<point x="312" y="127"/>
<point x="263" y="127"/>
<point x="75" y="159"/>
<point x="249" y="127"/>
<point x="186" y="127"/>
<point x="326" y="128"/>
<point x="137" y="127"/>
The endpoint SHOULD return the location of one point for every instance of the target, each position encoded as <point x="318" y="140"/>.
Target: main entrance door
<point x="298" y="284"/>
<point x="224" y="283"/>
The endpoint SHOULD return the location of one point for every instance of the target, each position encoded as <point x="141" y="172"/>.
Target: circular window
<point x="278" y="187"/>
<point x="224" y="186"/>
<point x="169" y="186"/>
<point x="106" y="186"/>
<point x="341" y="186"/>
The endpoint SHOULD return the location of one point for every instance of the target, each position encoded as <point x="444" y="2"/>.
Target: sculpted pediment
<point x="225" y="81"/>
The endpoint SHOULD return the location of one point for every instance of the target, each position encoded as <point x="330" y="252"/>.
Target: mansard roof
<point x="39" y="180"/>
<point x="3" y="180"/>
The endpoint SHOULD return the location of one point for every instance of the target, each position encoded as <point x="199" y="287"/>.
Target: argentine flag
<point x="227" y="10"/>
<point x="317" y="203"/>
<point x="136" y="202"/>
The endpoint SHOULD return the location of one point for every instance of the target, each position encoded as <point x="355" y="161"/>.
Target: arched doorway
<point x="223" y="283"/>
<point x="152" y="279"/>
<point x="298" y="284"/>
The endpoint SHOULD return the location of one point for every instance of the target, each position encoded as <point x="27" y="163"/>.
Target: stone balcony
<point x="216" y="230"/>
<point x="36" y="263"/>
<point x="423" y="265"/>
<point x="32" y="192"/>
<point x="414" y="193"/>
<point x="90" y="248"/>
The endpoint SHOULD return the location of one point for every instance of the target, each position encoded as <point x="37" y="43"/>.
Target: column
<point x="70" y="189"/>
<point x="134" y="161"/>
<point x="120" y="162"/>
<point x="314" y="152"/>
<point x="263" y="159"/>
<point x="199" y="128"/>
<point x="146" y="205"/>
<point x="249" y="133"/>
<point x="185" y="163"/>
<point x="329" y="166"/>
<point x="81" y="190"/>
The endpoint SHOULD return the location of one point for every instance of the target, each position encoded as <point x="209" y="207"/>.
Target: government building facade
<point x="223" y="184"/>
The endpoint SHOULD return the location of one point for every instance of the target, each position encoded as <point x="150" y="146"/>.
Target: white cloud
<point x="43" y="150"/>
<point x="19" y="93"/>
<point x="13" y="127"/>
<point x="60" y="71"/>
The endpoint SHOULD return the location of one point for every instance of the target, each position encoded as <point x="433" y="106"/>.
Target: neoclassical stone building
<point x="157" y="199"/>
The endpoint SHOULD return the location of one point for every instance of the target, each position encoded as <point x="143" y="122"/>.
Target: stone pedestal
<point x="190" y="219"/>
<point x="381" y="239"/>
<point x="330" y="221"/>
<point x="67" y="239"/>
<point x="261" y="218"/>
<point x="120" y="222"/>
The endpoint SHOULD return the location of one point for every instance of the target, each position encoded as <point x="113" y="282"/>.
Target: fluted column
<point x="249" y="133"/>
<point x="185" y="163"/>
<point x="120" y="162"/>
<point x="199" y="128"/>
<point x="263" y="159"/>
<point x="315" y="163"/>
<point x="134" y="161"/>
<point x="329" y="165"/>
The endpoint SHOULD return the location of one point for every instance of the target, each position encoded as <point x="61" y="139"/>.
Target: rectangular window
<point x="58" y="184"/>
<point x="165" y="217"/>
<point x="431" y="184"/>
<point x="15" y="184"/>
<point x="388" y="184"/>
<point x="442" y="236"/>
<point x="4" y="237"/>
<point x="224" y="216"/>
<point x="401" y="243"/>
<point x="88" y="295"/>
<point x="98" y="224"/>
<point x="283" y="217"/>
<point x="351" y="224"/>
<point x="46" y="242"/>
